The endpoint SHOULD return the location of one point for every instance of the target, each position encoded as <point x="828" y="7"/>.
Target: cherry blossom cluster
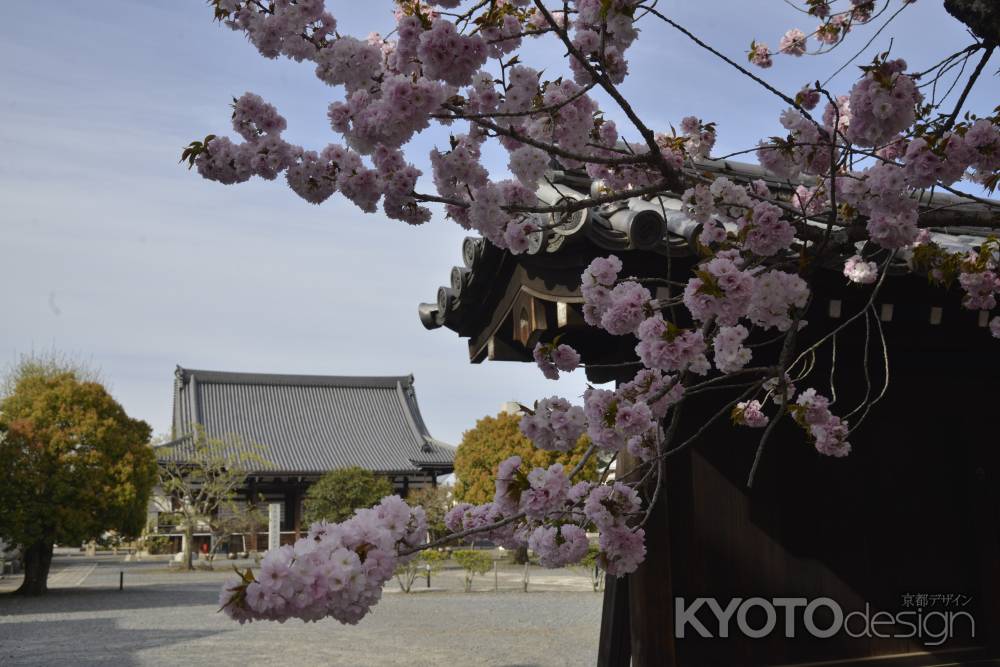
<point x="730" y="354"/>
<point x="977" y="272"/>
<point x="670" y="151"/>
<point x="880" y="195"/>
<point x="557" y="515"/>
<point x="555" y="424"/>
<point x="612" y="420"/>
<point x="930" y="158"/>
<point x="765" y="231"/>
<point x="596" y="283"/>
<point x="489" y="522"/>
<point x="857" y="270"/>
<point x="552" y="358"/>
<point x="628" y="418"/>
<point x="699" y="137"/>
<point x="750" y="413"/>
<point x="720" y="290"/>
<point x="882" y="104"/>
<point x="602" y="32"/>
<point x="609" y="507"/>
<point x="828" y="431"/>
<point x="665" y="347"/>
<point x="760" y="226"/>
<point x="806" y="149"/>
<point x="336" y="571"/>
<point x="314" y="176"/>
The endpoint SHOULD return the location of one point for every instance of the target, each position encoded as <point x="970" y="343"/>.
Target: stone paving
<point x="169" y="618"/>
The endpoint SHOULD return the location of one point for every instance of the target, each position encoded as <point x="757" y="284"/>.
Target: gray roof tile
<point x="311" y="423"/>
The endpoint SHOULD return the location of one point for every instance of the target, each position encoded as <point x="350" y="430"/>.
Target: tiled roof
<point x="655" y="225"/>
<point x="310" y="423"/>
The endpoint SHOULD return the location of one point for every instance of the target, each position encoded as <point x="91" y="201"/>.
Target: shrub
<point x="336" y="495"/>
<point x="473" y="562"/>
<point x="408" y="572"/>
<point x="158" y="544"/>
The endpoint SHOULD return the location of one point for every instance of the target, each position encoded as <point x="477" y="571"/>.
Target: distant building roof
<point x="310" y="424"/>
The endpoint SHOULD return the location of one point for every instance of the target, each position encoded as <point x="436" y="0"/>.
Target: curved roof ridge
<point x="232" y="377"/>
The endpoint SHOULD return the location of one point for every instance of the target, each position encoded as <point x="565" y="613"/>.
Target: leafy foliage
<point x="494" y="439"/>
<point x="473" y="562"/>
<point x="336" y="495"/>
<point x="157" y="544"/>
<point x="74" y="463"/>
<point x="436" y="501"/>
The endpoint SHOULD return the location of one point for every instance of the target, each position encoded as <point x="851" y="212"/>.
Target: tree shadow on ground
<point x="68" y="600"/>
<point x="94" y="641"/>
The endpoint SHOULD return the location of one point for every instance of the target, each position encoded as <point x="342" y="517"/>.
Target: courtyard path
<point x="170" y="618"/>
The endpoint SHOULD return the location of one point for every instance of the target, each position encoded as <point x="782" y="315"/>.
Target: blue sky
<point x="119" y="256"/>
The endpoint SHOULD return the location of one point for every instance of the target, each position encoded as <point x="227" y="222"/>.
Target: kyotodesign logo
<point x="757" y="617"/>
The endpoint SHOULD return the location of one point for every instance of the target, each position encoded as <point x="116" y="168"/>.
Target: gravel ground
<point x="164" y="618"/>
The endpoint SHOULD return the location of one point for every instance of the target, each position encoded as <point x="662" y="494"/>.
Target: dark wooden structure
<point x="308" y="425"/>
<point x="913" y="511"/>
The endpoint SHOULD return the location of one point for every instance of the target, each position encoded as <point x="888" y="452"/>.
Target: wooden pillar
<point x="615" y="646"/>
<point x="294" y="505"/>
<point x="637" y="618"/>
<point x="252" y="502"/>
<point x="650" y="593"/>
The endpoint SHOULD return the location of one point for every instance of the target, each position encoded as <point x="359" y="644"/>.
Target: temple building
<point x="304" y="426"/>
<point x="912" y="511"/>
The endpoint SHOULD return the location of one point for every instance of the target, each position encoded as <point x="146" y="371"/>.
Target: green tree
<point x="336" y="495"/>
<point x="494" y="439"/>
<point x="203" y="475"/>
<point x="473" y="562"/>
<point x="73" y="464"/>
<point x="436" y="501"/>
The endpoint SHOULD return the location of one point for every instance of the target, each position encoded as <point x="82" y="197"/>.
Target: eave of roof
<point x="461" y="302"/>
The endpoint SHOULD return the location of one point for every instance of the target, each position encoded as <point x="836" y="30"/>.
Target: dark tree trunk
<point x="982" y="16"/>
<point x="37" y="561"/>
<point x="520" y="556"/>
<point x="188" y="557"/>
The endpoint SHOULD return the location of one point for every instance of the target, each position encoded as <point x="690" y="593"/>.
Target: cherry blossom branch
<point x="848" y="321"/>
<point x="610" y="89"/>
<point x="448" y="539"/>
<point x="551" y="108"/>
<point x="661" y="470"/>
<point x="786" y="352"/>
<point x="725" y="410"/>
<point x="552" y="148"/>
<point x="497" y="524"/>
<point x="968" y="88"/>
<point x="569" y="207"/>
<point x="729" y="61"/>
<point x="868" y="43"/>
<point x="782" y="410"/>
